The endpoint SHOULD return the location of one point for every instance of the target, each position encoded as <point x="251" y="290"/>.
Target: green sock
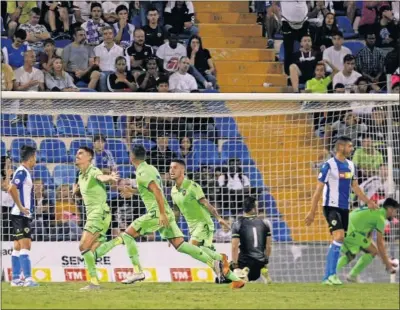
<point x="90" y="263"/>
<point x="343" y="261"/>
<point x="231" y="276"/>
<point x="362" y="263"/>
<point x="196" y="253"/>
<point x="106" y="247"/>
<point x="132" y="250"/>
<point x="213" y="254"/>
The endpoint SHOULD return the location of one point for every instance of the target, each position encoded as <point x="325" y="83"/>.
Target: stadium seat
<point x="206" y="153"/>
<point x="267" y="203"/>
<point x="53" y="151"/>
<point x="41" y="126"/>
<point x="62" y="43"/>
<point x="254" y="175"/>
<point x="174" y="146"/>
<point x="296" y="47"/>
<point x="9" y="129"/>
<point x="3" y="149"/>
<point x="16" y="146"/>
<point x="121" y="126"/>
<point x="70" y="125"/>
<point x="100" y="124"/>
<point x="235" y="149"/>
<point x="147" y="143"/>
<point x="41" y="172"/>
<point x="119" y="151"/>
<point x="126" y="171"/>
<point x="354" y="46"/>
<point x="346" y="27"/>
<point x="227" y="128"/>
<point x="184" y="227"/>
<point x="281" y="232"/>
<point x="75" y="145"/>
<point x="64" y="174"/>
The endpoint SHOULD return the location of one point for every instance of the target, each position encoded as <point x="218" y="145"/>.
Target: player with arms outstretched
<point x="21" y="191"/>
<point x="335" y="181"/>
<point x="98" y="218"/>
<point x="190" y="200"/>
<point x="363" y="222"/>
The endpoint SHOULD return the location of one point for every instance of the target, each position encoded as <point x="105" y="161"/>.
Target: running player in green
<point x="189" y="197"/>
<point x="363" y="221"/>
<point x="92" y="188"/>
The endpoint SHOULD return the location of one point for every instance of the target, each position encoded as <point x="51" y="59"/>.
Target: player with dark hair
<point x="98" y="218"/>
<point x="252" y="235"/>
<point x="363" y="222"/>
<point x="21" y="191"/>
<point x="189" y="199"/>
<point x="336" y="179"/>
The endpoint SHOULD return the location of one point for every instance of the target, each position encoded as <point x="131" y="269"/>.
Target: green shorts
<point x="355" y="242"/>
<point x="202" y="233"/>
<point x="98" y="221"/>
<point x="149" y="223"/>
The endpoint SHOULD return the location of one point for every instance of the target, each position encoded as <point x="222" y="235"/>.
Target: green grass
<point x="202" y="296"/>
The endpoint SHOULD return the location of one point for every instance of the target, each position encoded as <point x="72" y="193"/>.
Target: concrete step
<point x="241" y="67"/>
<point x="234" y="42"/>
<point x="250" y="89"/>
<point x="226" y="18"/>
<point x="221" y="6"/>
<point x="242" y="54"/>
<point x="236" y="30"/>
<point x="252" y="79"/>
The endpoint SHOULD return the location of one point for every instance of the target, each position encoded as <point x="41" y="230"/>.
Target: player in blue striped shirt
<point x="335" y="181"/>
<point x="21" y="191"/>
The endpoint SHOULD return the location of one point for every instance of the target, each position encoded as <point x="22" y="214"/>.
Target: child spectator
<point x="121" y="80"/>
<point x="163" y="84"/>
<point x="59" y="80"/>
<point x="47" y="56"/>
<point x="320" y="83"/>
<point x="335" y="54"/>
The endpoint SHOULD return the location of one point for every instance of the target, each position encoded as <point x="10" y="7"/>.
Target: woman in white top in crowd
<point x="57" y="79"/>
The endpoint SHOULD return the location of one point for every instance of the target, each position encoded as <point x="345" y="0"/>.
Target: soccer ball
<point x="395" y="263"/>
<point x="242" y="273"/>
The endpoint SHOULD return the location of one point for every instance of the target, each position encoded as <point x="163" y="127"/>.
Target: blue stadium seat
<point x="174" y="145"/>
<point x="122" y="125"/>
<point x="70" y="125"/>
<point x="3" y="149"/>
<point x="235" y="149"/>
<point x="62" y="43"/>
<point x="126" y="171"/>
<point x="53" y="151"/>
<point x="354" y="46"/>
<point x="119" y="151"/>
<point x="64" y="174"/>
<point x="16" y="146"/>
<point x="75" y="145"/>
<point x="281" y="232"/>
<point x="254" y="175"/>
<point x="346" y="27"/>
<point x="99" y="124"/>
<point x="8" y="129"/>
<point x="184" y="227"/>
<point x="206" y="152"/>
<point x="267" y="203"/>
<point x="147" y="143"/>
<point x="227" y="127"/>
<point x="41" y="172"/>
<point x="41" y="126"/>
<point x="296" y="47"/>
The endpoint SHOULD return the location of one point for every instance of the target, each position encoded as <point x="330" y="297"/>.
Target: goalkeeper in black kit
<point x="251" y="244"/>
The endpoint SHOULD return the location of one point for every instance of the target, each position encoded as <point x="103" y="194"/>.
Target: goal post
<point x="270" y="146"/>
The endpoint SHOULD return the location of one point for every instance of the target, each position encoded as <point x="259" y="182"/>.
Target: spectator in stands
<point x="106" y="53"/>
<point x="59" y="80"/>
<point x="8" y="81"/>
<point x="161" y="155"/>
<point x="386" y="30"/>
<point x="14" y="52"/>
<point x="83" y="10"/>
<point x="186" y="150"/>
<point x="396" y="88"/>
<point x="163" y="84"/>
<point x="138" y="53"/>
<point x="103" y="159"/>
<point x="146" y="7"/>
<point x="223" y="234"/>
<point x="320" y="83"/>
<point x="154" y="32"/>
<point x="121" y="80"/>
<point x="317" y="13"/>
<point x="94" y="26"/>
<point x="123" y="31"/>
<point x="370" y="60"/>
<point x="18" y="12"/>
<point x="47" y="56"/>
<point x="79" y="60"/>
<point x="350" y="127"/>
<point x="369" y="15"/>
<point x="179" y="17"/>
<point x="35" y="33"/>
<point x="200" y="59"/>
<point x="147" y="81"/>
<point x="58" y="18"/>
<point x="28" y="77"/>
<point x="348" y="76"/>
<point x="392" y="60"/>
<point x="303" y="64"/>
<point x="335" y="54"/>
<point x="367" y="159"/>
<point x="109" y="10"/>
<point x="44" y="212"/>
<point x="273" y="21"/>
<point x="323" y="35"/>
<point x="170" y="52"/>
<point x="136" y="127"/>
<point x="181" y="81"/>
<point x="378" y="129"/>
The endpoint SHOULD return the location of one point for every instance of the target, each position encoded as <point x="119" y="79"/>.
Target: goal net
<point x="270" y="146"/>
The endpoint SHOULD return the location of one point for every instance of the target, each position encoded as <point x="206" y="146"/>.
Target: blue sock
<point x="25" y="263"/>
<point x="327" y="264"/>
<point x="335" y="256"/>
<point x="15" y="265"/>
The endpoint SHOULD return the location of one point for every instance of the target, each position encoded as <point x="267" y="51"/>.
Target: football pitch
<point x="202" y="296"/>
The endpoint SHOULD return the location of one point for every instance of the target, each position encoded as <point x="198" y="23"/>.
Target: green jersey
<point x="145" y="174"/>
<point x="187" y="198"/>
<point x="93" y="191"/>
<point x="364" y="220"/>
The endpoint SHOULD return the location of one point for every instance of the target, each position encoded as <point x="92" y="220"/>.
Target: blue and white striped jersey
<point x="23" y="181"/>
<point x="337" y="177"/>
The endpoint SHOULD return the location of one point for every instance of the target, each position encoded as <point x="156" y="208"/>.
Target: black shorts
<point x="21" y="227"/>
<point x="255" y="267"/>
<point x="337" y="218"/>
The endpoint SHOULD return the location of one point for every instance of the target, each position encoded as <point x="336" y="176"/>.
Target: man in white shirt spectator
<point x="109" y="7"/>
<point x="348" y="76"/>
<point x="29" y="78"/>
<point x="335" y="54"/>
<point x="181" y="81"/>
<point x="94" y="26"/>
<point x="170" y="53"/>
<point x="35" y="32"/>
<point x="105" y="55"/>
